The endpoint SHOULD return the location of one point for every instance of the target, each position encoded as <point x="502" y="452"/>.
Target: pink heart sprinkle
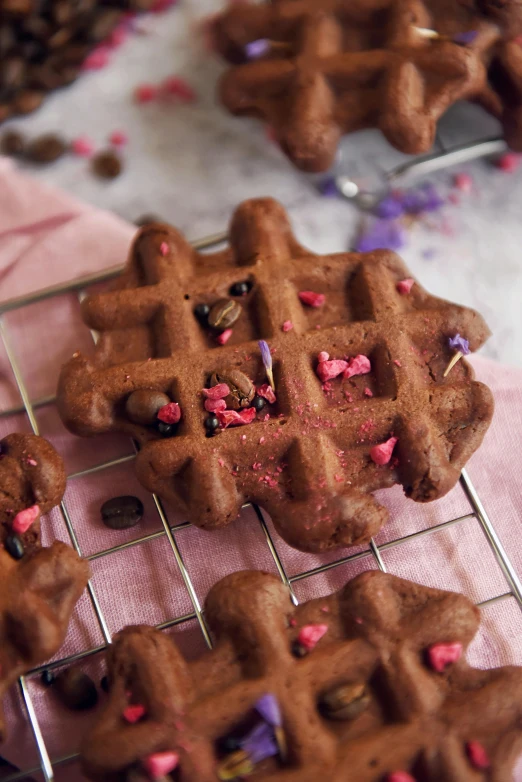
<point x="405" y="286"/>
<point x="223" y="338"/>
<point x="310" y="635"/>
<point x="359" y="365"/>
<point x="328" y="370"/>
<point x="381" y="454"/>
<point x="267" y="393"/>
<point x="312" y="299"/>
<point x="25" y="519"/>
<point x="160" y="763"/>
<point x="442" y="655"/>
<point x="287" y="326"/>
<point x="133" y="713"/>
<point x="477" y="755"/>
<point x="213" y="405"/>
<point x="399" y="776"/>
<point x="170" y="414"/>
<point x="216" y="392"/>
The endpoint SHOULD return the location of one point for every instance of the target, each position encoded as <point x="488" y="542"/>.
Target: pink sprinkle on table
<point x="287" y="326"/>
<point x="442" y="655"/>
<point x="82" y="146"/>
<point x="312" y="299"/>
<point x="509" y="162"/>
<point x="96" y="60"/>
<point x="145" y="93"/>
<point x="405" y="286"/>
<point x="133" y="713"/>
<point x="160" y="763"/>
<point x="463" y="182"/>
<point x="170" y="413"/>
<point x="25" y="519"/>
<point x="477" y="755"/>
<point x="117" y="38"/>
<point x="176" y="87"/>
<point x="118" y="138"/>
<point x="216" y="392"/>
<point x="223" y="338"/>
<point x="381" y="454"/>
<point x="310" y="635"/>
<point x="164" y="248"/>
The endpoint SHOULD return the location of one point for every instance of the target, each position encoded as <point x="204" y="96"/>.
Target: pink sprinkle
<point x="82" y="146"/>
<point x="213" y="405"/>
<point x="257" y="466"/>
<point x="176" y="87"/>
<point x="223" y="338"/>
<point x="509" y="162"/>
<point x="261" y="440"/>
<point x="118" y="138"/>
<point x="463" y="182"/>
<point x="234" y="418"/>
<point x="381" y="454"/>
<point x="358" y="620"/>
<point x="221" y="462"/>
<point x="292" y="622"/>
<point x="323" y="356"/>
<point x="170" y="414"/>
<point x="145" y="93"/>
<point x="359" y="365"/>
<point x="267" y="393"/>
<point x="442" y="655"/>
<point x="134" y="713"/>
<point x="32" y="462"/>
<point x="328" y="370"/>
<point x="287" y="326"/>
<point x="397" y="362"/>
<point x="310" y="635"/>
<point x="96" y="60"/>
<point x="399" y="776"/>
<point x="405" y="286"/>
<point x="312" y="299"/>
<point x="368" y="392"/>
<point x="164" y="248"/>
<point x="25" y="519"/>
<point x="117" y="37"/>
<point x="216" y="392"/>
<point x="325" y="609"/>
<point x="160" y="763"/>
<point x="478" y="757"/>
<point x="339" y="478"/>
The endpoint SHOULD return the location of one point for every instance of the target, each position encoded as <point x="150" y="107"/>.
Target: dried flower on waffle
<point x="371" y="372"/>
<point x="365" y="702"/>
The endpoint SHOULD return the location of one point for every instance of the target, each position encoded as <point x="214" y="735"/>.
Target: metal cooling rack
<point x="374" y="551"/>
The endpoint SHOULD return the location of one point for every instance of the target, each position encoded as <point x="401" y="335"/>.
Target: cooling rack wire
<point x="47" y="765"/>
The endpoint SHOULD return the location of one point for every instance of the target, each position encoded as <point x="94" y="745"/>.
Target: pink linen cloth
<point x="47" y="237"/>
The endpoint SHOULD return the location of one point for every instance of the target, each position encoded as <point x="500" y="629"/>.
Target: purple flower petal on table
<point x="422" y="199"/>
<point x="466" y="37"/>
<point x="268" y="707"/>
<point x="256" y="49"/>
<point x="459" y="343"/>
<point x="381" y="235"/>
<point x="328" y="188"/>
<point x="260" y="743"/>
<point x="389" y="207"/>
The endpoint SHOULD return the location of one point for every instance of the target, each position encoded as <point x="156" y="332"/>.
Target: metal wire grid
<point x="374" y="551"/>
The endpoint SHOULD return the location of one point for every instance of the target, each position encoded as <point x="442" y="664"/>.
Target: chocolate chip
<point x="258" y="403"/>
<point x="240" y="288"/>
<point x="166" y="430"/>
<point x="142" y="405"/>
<point x="224" y="314"/>
<point x="107" y="165"/>
<point x="75" y="689"/>
<point x="344" y="702"/>
<point x="46" y="149"/>
<point x="201" y="312"/>
<point x="122" y="512"/>
<point x="14" y="546"/>
<point x="242" y="390"/>
<point x="13" y="143"/>
<point x="211" y="423"/>
<point x="47" y="678"/>
<point x="27" y="101"/>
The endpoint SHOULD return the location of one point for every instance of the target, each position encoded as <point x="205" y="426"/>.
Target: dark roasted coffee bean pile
<point x="43" y="45"/>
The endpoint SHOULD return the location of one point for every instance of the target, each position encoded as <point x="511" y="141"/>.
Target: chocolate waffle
<point x="44" y="44"/>
<point x="306" y="458"/>
<point x="386" y="689"/>
<point x="327" y="67"/>
<point x="39" y="587"/>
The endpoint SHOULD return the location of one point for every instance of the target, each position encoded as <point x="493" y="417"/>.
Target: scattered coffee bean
<point x="166" y="430"/>
<point x="242" y="390"/>
<point x="14" y="546"/>
<point x="224" y="314"/>
<point x="75" y="689"/>
<point x="107" y="165"/>
<point x="46" y="149"/>
<point x="211" y="423"/>
<point x="201" y="312"/>
<point x="47" y="678"/>
<point x="258" y="403"/>
<point x="27" y="101"/>
<point x="142" y="405"/>
<point x="240" y="289"/>
<point x="104" y="683"/>
<point x="13" y="143"/>
<point x="122" y="512"/>
<point x="344" y="702"/>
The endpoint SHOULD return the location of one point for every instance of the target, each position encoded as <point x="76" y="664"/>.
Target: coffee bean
<point x="166" y="430"/>
<point x="122" y="512"/>
<point x="142" y="405"/>
<point x="14" y="546"/>
<point x="344" y="702"/>
<point x="27" y="101"/>
<point x="258" y="403"/>
<point x="75" y="689"/>
<point x="46" y="149"/>
<point x="47" y="678"/>
<point x="224" y="314"/>
<point x="240" y="289"/>
<point x="242" y="390"/>
<point x="106" y="165"/>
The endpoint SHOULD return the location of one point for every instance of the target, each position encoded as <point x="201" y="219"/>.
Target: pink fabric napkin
<point x="47" y="237"/>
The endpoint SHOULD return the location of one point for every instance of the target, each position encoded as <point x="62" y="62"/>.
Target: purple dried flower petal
<point x="328" y="188"/>
<point x="265" y="354"/>
<point x="268" y="707"/>
<point x="459" y="343"/>
<point x="256" y="49"/>
<point x="389" y="207"/>
<point x="260" y="743"/>
<point x="381" y="234"/>
<point x="466" y="37"/>
<point x="423" y="199"/>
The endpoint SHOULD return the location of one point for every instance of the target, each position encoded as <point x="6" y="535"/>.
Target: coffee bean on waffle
<point x="382" y="693"/>
<point x="39" y="587"/>
<point x="360" y="401"/>
<point x="316" y="69"/>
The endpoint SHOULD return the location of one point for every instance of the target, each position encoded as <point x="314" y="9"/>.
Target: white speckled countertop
<point x="193" y="164"/>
